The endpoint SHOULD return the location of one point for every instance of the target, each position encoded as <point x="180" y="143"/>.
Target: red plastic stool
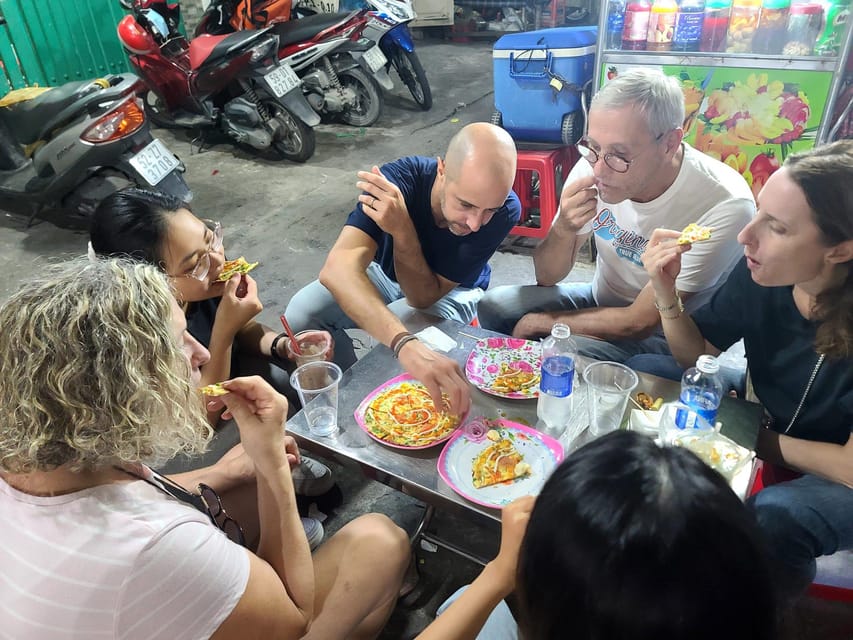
<point x="538" y="187"/>
<point x="832" y="581"/>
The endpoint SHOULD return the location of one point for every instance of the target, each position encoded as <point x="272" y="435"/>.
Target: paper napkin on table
<point x="436" y="339"/>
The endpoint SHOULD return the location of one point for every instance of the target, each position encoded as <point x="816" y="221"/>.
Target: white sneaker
<point x="312" y="478"/>
<point x="313" y="531"/>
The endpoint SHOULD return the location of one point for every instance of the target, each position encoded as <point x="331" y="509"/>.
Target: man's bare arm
<point x="637" y="321"/>
<point x="345" y="275"/>
<point x="554" y="258"/>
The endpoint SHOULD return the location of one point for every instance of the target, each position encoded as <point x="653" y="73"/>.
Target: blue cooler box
<point x="538" y="79"/>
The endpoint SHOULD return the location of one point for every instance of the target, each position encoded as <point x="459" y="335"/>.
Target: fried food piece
<point x="694" y="233"/>
<point x="233" y="267"/>
<point x="499" y="462"/>
<point x="213" y="390"/>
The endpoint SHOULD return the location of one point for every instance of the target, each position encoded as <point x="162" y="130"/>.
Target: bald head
<point x="484" y="146"/>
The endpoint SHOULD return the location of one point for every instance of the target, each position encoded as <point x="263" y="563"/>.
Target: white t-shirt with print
<point x="707" y="192"/>
<point x="123" y="561"/>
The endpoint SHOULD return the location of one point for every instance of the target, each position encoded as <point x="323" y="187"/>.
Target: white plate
<point x="540" y="451"/>
<point x="154" y="162"/>
<point x="281" y="80"/>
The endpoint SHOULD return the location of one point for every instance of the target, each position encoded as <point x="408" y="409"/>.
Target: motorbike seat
<point x="207" y="48"/>
<point x="306" y="28"/>
<point x="27" y="119"/>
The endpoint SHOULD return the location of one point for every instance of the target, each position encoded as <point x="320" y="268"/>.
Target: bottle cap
<point x="560" y="330"/>
<point x="808" y="9"/>
<point x="776" y="4"/>
<point x="707" y="364"/>
<point x="718" y="4"/>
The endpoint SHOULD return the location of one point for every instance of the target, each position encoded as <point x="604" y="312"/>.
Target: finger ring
<point x="373" y="203"/>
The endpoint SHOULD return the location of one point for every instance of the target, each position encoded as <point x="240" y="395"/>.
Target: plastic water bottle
<point x="559" y="353"/>
<point x="615" y="23"/>
<point x="702" y="388"/>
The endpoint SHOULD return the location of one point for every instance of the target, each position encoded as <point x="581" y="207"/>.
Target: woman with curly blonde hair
<point x="98" y="378"/>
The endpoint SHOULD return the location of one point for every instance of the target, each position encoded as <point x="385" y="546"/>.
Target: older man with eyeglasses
<point x="635" y="174"/>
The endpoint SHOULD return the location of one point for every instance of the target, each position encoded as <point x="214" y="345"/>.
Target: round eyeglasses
<point x="616" y="162"/>
<point x="202" y="267"/>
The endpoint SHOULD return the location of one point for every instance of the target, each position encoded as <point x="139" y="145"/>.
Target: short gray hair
<point x="657" y="96"/>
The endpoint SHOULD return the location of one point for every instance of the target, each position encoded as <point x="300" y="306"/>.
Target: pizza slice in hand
<point x="233" y="267"/>
<point x="499" y="462"/>
<point x="694" y="233"/>
<point x="213" y="390"/>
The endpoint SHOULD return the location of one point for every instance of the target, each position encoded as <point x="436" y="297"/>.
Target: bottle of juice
<point x="715" y="25"/>
<point x="661" y="25"/>
<point x="770" y="34"/>
<point x="688" y="25"/>
<point x="804" y="24"/>
<point x="636" y="25"/>
<point x="742" y="25"/>
<point x="837" y="15"/>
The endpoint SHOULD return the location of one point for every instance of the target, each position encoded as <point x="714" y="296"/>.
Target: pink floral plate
<point x="494" y="361"/>
<point x="455" y="464"/>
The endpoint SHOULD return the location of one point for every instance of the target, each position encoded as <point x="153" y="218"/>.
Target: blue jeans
<point x="313" y="307"/>
<point x="801" y="520"/>
<point x="500" y="624"/>
<point x="502" y="307"/>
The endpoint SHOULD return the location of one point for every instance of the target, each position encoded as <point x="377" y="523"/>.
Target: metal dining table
<point x="415" y="473"/>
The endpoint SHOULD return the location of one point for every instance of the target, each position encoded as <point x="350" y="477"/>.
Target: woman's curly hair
<point x="91" y="373"/>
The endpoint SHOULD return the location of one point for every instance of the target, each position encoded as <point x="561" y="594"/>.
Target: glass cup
<point x="314" y="345"/>
<point x="608" y="386"/>
<point x="317" y="386"/>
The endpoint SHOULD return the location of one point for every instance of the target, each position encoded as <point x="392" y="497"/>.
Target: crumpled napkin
<point x="436" y="339"/>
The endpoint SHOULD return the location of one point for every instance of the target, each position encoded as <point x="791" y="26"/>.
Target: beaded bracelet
<point x="401" y="343"/>
<point x="675" y="305"/>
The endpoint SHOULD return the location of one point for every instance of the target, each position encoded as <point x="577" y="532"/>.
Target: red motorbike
<point x="341" y="71"/>
<point x="233" y="83"/>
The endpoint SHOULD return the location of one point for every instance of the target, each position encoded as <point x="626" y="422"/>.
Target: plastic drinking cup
<point x="317" y="386"/>
<point x="608" y="386"/>
<point x="314" y="346"/>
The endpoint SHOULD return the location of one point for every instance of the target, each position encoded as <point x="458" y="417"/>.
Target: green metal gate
<point x="50" y="42"/>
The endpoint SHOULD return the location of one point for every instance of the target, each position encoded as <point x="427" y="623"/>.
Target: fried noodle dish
<point x="512" y="378"/>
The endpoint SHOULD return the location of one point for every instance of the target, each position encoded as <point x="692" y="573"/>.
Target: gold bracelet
<point x="675" y="305"/>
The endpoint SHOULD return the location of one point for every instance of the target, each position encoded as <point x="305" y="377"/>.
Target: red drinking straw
<point x="290" y="334"/>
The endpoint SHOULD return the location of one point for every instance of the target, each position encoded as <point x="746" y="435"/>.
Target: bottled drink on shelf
<point x="688" y="25"/>
<point x="830" y="40"/>
<point x="661" y="25"/>
<point x="715" y="25"/>
<point x="772" y="23"/>
<point x="636" y="25"/>
<point x="559" y="354"/>
<point x="615" y="24"/>
<point x="742" y="25"/>
<point x="804" y="24"/>
<point x="702" y="387"/>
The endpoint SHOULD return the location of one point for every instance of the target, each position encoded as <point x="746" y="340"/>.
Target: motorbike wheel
<point x="411" y="72"/>
<point x="296" y="141"/>
<point x="154" y="108"/>
<point x="368" y="105"/>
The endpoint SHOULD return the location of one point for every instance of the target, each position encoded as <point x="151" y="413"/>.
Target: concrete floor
<point x="287" y="216"/>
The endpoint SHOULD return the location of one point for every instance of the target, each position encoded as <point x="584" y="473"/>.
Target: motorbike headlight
<point x="263" y="50"/>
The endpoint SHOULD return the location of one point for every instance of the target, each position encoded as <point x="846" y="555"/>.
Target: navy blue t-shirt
<point x="462" y="259"/>
<point x="780" y="352"/>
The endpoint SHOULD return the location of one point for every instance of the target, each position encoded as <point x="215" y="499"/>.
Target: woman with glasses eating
<point x="98" y="378"/>
<point x="161" y="230"/>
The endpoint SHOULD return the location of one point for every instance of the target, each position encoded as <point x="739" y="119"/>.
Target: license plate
<point x="154" y="162"/>
<point x="281" y="80"/>
<point x="375" y="59"/>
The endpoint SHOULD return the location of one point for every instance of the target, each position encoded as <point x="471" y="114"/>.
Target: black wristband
<point x="274" y="355"/>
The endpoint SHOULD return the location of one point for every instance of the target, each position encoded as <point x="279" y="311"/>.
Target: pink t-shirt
<point x="116" y="561"/>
